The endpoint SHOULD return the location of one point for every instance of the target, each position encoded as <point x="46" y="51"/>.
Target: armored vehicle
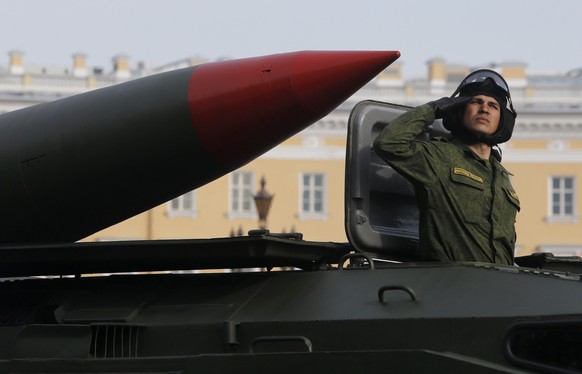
<point x="367" y="306"/>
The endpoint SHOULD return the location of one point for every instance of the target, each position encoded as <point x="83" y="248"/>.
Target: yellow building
<point x="306" y="173"/>
<point x="546" y="160"/>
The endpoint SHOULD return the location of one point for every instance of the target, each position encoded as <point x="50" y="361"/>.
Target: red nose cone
<point x="242" y="108"/>
<point x="323" y="80"/>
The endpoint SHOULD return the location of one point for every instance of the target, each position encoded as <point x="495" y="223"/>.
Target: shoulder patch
<point x="468" y="174"/>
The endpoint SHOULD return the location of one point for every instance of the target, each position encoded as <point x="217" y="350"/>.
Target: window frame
<point x="241" y="213"/>
<point x="311" y="214"/>
<point x="562" y="192"/>
<point x="181" y="211"/>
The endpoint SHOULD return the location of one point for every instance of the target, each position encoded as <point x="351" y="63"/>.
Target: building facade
<point x="306" y="172"/>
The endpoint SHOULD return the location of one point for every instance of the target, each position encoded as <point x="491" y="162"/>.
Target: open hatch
<point x="381" y="215"/>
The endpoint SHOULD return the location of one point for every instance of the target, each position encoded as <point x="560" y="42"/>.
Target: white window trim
<point x="252" y="214"/>
<point x="562" y="218"/>
<point x="561" y="249"/>
<point x="312" y="216"/>
<point x="180" y="212"/>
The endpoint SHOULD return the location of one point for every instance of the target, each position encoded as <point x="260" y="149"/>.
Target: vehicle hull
<point x="413" y="316"/>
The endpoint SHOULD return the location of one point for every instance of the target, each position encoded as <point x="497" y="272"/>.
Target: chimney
<point x="436" y="72"/>
<point x="80" y="65"/>
<point x="514" y="73"/>
<point x="437" y="76"/>
<point x="16" y="65"/>
<point x="121" y="66"/>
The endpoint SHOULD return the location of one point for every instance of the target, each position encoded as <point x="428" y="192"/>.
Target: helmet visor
<point x="481" y="75"/>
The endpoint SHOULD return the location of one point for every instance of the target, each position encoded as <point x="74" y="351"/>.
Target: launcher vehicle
<point x="367" y="306"/>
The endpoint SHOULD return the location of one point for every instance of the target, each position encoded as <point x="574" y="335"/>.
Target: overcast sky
<point x="546" y="35"/>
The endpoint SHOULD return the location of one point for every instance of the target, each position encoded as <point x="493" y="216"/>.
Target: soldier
<point x="466" y="201"/>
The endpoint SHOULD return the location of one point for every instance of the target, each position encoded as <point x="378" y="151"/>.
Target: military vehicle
<point x="367" y="306"/>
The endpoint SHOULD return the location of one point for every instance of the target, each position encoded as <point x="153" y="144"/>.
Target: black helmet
<point x="490" y="83"/>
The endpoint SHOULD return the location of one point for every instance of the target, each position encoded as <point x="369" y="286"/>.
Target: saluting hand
<point x="444" y="104"/>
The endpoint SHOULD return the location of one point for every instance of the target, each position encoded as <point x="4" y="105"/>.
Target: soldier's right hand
<point x="444" y="104"/>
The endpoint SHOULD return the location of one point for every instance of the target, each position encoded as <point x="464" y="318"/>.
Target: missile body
<point x="77" y="165"/>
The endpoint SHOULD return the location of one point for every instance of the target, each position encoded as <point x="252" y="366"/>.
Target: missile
<point x="77" y="165"/>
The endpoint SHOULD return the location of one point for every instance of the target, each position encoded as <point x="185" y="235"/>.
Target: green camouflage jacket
<point x="467" y="204"/>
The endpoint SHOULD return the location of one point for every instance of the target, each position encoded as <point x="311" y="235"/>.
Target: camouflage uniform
<point x="467" y="204"/>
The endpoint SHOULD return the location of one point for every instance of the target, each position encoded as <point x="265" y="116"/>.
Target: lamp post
<point x="263" y="201"/>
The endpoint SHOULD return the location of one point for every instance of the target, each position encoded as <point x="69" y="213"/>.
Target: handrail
<point x="406" y="289"/>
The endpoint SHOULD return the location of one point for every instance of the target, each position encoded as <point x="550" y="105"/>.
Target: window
<point x="184" y="205"/>
<point x="313" y="196"/>
<point x="562" y="199"/>
<point x="241" y="194"/>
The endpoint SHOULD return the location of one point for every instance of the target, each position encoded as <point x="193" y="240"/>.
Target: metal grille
<point x="115" y="341"/>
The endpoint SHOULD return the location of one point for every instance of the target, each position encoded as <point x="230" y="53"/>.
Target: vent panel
<point x="115" y="341"/>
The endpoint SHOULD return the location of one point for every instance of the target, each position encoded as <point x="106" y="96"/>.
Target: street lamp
<point x="263" y="201"/>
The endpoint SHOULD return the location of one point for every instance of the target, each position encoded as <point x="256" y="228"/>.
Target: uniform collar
<point x="465" y="148"/>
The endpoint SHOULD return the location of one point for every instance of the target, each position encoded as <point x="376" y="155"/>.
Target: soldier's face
<point x="482" y="115"/>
